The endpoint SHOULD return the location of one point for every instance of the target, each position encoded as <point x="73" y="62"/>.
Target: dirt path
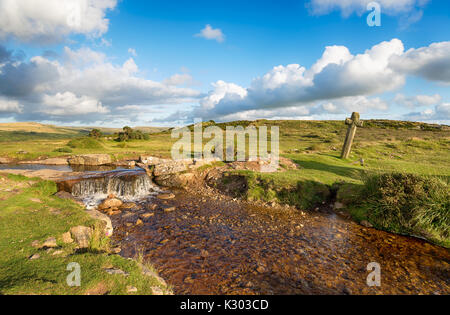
<point x="212" y="245"/>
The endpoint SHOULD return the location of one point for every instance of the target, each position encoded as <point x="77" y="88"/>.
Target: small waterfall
<point x="127" y="185"/>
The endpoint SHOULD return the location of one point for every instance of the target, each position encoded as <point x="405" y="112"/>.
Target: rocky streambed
<point x="204" y="243"/>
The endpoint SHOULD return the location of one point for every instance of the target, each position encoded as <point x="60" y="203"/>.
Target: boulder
<point x="6" y="160"/>
<point x="67" y="238"/>
<point x="176" y="180"/>
<point x="53" y="161"/>
<point x="171" y="167"/>
<point x="108" y="227"/>
<point x="50" y="243"/>
<point x="91" y="159"/>
<point x="82" y="235"/>
<point x="110" y="203"/>
<point x="151" y="160"/>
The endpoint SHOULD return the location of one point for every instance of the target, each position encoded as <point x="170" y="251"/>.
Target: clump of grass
<point x="63" y="150"/>
<point x="85" y="143"/>
<point x="409" y="204"/>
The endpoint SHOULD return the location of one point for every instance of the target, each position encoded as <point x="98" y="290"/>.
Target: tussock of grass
<point x="408" y="204"/>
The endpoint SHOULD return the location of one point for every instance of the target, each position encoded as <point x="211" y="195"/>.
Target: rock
<point x="152" y="207"/>
<point x="115" y="271"/>
<point x="50" y="243"/>
<point x="53" y="161"/>
<point x="6" y="160"/>
<point x="113" y="212"/>
<point x="151" y="160"/>
<point x="128" y="205"/>
<point x="176" y="180"/>
<point x="96" y="215"/>
<point x="139" y="222"/>
<point x="35" y="256"/>
<point x="35" y="200"/>
<point x="347" y="291"/>
<point x="91" y="159"/>
<point x="58" y="252"/>
<point x="366" y="224"/>
<point x="131" y="289"/>
<point x="170" y="209"/>
<point x="170" y="167"/>
<point x="338" y="205"/>
<point x="36" y="244"/>
<point x="82" y="235"/>
<point x="125" y="163"/>
<point x="166" y="196"/>
<point x="110" y="203"/>
<point x="116" y="250"/>
<point x="147" y="215"/>
<point x="261" y="269"/>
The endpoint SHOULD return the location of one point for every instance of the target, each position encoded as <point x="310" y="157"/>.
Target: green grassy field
<point x="30" y="212"/>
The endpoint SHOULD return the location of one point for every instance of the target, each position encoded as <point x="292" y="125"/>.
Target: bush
<point x="95" y="133"/>
<point x="409" y="204"/>
<point x="130" y="134"/>
<point x="85" y="143"/>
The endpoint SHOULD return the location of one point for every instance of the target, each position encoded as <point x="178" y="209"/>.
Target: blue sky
<point x="148" y="62"/>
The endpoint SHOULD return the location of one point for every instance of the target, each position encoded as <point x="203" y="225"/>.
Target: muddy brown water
<point x="211" y="245"/>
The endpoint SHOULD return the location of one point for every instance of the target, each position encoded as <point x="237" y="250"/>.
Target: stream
<point x="216" y="245"/>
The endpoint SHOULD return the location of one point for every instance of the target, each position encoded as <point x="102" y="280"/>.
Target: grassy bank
<point x="402" y="203"/>
<point x="29" y="212"/>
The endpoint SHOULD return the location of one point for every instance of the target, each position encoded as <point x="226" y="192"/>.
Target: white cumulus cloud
<point x="51" y="20"/>
<point x="211" y="34"/>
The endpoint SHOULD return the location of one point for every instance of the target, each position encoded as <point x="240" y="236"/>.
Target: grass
<point x="30" y="212"/>
<point x="403" y="203"/>
<point x="85" y="143"/>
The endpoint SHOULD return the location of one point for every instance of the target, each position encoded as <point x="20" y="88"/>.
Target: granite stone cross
<point x="352" y="123"/>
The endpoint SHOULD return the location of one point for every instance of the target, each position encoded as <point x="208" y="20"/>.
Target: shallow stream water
<point x="212" y="245"/>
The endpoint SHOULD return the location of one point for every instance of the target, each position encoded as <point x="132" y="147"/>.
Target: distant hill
<point x="22" y="131"/>
<point x="32" y="127"/>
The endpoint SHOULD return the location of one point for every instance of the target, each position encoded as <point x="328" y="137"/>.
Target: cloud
<point x="347" y="7"/>
<point x="9" y="106"/>
<point x="132" y="52"/>
<point x="417" y="100"/>
<point x="431" y="62"/>
<point x="345" y="105"/>
<point x="81" y="82"/>
<point x="211" y="34"/>
<point x="337" y="83"/>
<point x="337" y="74"/>
<point x="440" y="113"/>
<point x="51" y="20"/>
<point x="179" y="79"/>
<point x="68" y="104"/>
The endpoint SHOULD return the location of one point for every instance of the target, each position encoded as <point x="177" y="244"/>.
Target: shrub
<point x="130" y="134"/>
<point x="85" y="143"/>
<point x="95" y="133"/>
<point x="409" y="204"/>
